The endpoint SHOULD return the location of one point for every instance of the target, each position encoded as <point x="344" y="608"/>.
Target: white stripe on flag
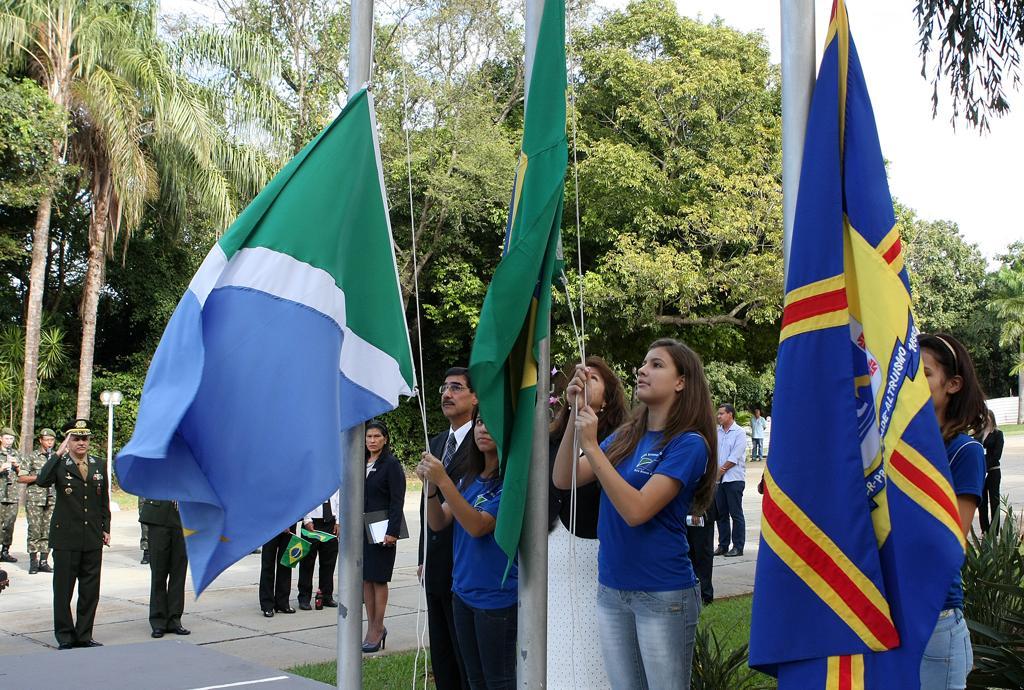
<point x="284" y="276"/>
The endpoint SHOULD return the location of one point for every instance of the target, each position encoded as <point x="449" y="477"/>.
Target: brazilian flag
<point x="515" y="314"/>
<point x="316" y="535"/>
<point x="296" y="551"/>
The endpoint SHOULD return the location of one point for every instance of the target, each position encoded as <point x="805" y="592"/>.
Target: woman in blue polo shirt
<point x="654" y="470"/>
<point x="960" y="408"/>
<point x="484" y="601"/>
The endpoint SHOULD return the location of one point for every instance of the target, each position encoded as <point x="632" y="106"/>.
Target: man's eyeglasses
<point x="453" y="387"/>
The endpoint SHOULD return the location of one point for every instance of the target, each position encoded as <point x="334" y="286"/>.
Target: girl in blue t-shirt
<point x="656" y="469"/>
<point x="484" y="601"/>
<point x="960" y="408"/>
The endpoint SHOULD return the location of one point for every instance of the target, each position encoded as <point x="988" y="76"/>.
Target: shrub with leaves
<point x="993" y="577"/>
<point x="715" y="668"/>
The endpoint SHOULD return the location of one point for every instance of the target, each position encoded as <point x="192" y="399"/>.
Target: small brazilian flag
<point x="296" y="551"/>
<point x="316" y="535"/>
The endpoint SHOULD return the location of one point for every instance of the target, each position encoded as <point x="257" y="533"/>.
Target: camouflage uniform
<point x="10" y="495"/>
<point x="39" y="504"/>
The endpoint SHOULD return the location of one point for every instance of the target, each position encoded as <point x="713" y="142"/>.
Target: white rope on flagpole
<point x="421" y="624"/>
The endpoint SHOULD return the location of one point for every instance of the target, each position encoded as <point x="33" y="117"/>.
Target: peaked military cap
<point x="79" y="427"/>
<point x="47" y="431"/>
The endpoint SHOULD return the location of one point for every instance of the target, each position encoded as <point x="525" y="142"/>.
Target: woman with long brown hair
<point x="654" y="470"/>
<point x="960" y="408"/>
<point x="573" y="545"/>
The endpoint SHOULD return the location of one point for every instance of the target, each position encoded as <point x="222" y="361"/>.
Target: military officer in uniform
<point x="78" y="532"/>
<point x="168" y="563"/>
<point x="10" y="492"/>
<point x="39" y="503"/>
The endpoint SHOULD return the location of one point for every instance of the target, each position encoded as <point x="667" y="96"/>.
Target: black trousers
<point x="168" y="564"/>
<point x="702" y="553"/>
<point x="487" y="640"/>
<point x="988" y="509"/>
<point x="275" y="579"/>
<point x="327" y="552"/>
<point x="69" y="568"/>
<point x="445" y="656"/>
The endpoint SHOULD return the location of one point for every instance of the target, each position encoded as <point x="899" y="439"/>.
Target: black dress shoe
<point x="330" y="603"/>
<point x="720" y="551"/>
<point x="268" y="613"/>
<point x="180" y="631"/>
<point x="287" y="609"/>
<point x="65" y="645"/>
<point x="733" y="552"/>
<point x="304" y="605"/>
<point x="89" y="643"/>
<point x="157" y="634"/>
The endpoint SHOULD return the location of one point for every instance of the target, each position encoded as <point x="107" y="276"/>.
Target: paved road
<point x="227" y="617"/>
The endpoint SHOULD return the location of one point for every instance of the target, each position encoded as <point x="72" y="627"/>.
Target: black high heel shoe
<point x="371" y="648"/>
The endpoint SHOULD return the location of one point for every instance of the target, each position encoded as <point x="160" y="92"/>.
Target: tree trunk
<point x="33" y="321"/>
<point x="1020" y="387"/>
<point x="98" y="225"/>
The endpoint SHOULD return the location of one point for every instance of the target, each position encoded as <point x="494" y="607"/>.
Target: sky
<point x="959" y="175"/>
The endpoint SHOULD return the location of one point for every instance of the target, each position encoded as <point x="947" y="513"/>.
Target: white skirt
<point x="572" y="614"/>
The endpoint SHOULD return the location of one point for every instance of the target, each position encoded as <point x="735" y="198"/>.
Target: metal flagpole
<point x="350" y="561"/>
<point x="798" y="62"/>
<point x="353" y="465"/>
<point x="531" y="656"/>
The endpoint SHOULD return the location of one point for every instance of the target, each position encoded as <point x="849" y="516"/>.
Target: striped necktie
<point x="449" y="450"/>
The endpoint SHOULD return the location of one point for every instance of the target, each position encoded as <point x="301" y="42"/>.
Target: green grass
<point x="1012" y="429"/>
<point x="379" y="673"/>
<point x="728" y="618"/>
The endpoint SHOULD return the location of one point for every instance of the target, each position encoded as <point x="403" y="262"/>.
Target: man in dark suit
<point x="457" y="403"/>
<point x="323" y="518"/>
<point x="168" y="563"/>
<point x="79" y="530"/>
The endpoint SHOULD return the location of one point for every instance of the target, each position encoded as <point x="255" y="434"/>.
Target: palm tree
<point x="144" y="131"/>
<point x="52" y="358"/>
<point x="57" y="41"/>
<point x="1008" y="306"/>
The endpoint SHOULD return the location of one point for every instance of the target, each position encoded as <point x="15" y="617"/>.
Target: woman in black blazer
<point x="385" y="490"/>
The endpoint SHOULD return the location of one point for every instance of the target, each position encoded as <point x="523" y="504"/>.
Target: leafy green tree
<point x="57" y="42"/>
<point x="1008" y="306"/>
<point x="679" y="170"/>
<point x="52" y="360"/>
<point x="946" y="271"/>
<point x="28" y="124"/>
<point x="142" y="130"/>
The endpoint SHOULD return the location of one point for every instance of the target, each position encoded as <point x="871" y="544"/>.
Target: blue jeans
<point x="756" y="449"/>
<point x="948" y="657"/>
<point x="729" y="501"/>
<point x="487" y="641"/>
<point x="647" y="637"/>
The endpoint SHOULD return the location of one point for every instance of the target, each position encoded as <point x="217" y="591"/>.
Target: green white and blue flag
<point x="291" y="332"/>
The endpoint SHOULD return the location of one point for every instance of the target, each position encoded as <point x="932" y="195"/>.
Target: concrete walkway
<point x="227" y="618"/>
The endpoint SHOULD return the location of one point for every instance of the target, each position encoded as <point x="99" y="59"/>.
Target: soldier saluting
<point x="79" y="530"/>
<point x="39" y="502"/>
<point x="10" y="462"/>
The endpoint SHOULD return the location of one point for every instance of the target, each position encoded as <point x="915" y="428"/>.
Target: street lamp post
<point x="110" y="399"/>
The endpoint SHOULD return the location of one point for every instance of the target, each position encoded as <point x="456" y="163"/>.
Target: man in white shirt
<point x="323" y="518"/>
<point x="732" y="453"/>
<point x="757" y="427"/>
